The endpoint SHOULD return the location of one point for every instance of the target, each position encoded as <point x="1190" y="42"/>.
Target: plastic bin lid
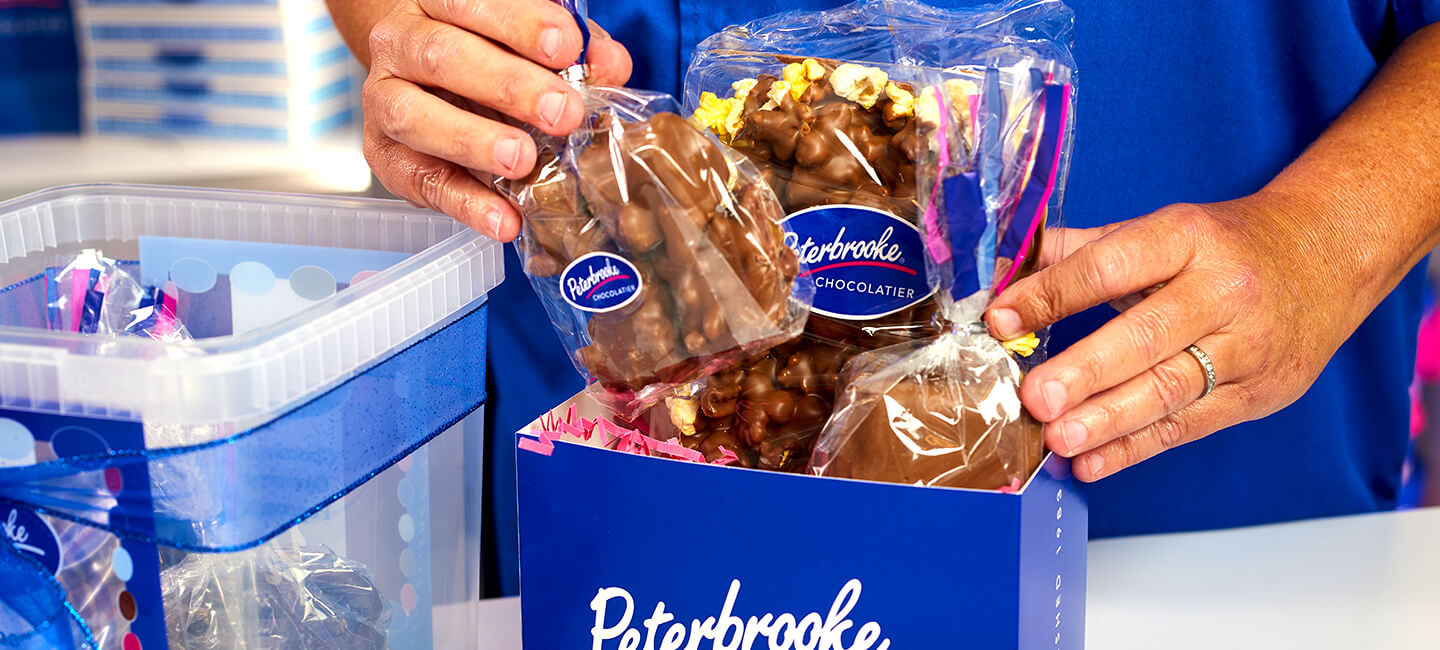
<point x="249" y="378"/>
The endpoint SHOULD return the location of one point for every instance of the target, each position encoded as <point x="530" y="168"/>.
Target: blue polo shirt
<point x="1194" y="101"/>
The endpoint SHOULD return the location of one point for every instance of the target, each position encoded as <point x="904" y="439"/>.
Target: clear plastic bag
<point x="273" y="597"/>
<point x="946" y="411"/>
<point x="828" y="105"/>
<point x="90" y="293"/>
<point x="657" y="252"/>
<point x="75" y="290"/>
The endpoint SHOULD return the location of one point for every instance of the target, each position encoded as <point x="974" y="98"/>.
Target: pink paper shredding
<point x="726" y="456"/>
<point x="672" y="447"/>
<point x="1012" y="488"/>
<point x="614" y="436"/>
<point x="541" y="446"/>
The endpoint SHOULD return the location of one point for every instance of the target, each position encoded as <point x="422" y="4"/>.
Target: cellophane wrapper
<point x="695" y="224"/>
<point x="273" y="597"/>
<point x="831" y="106"/>
<point x="946" y="411"/>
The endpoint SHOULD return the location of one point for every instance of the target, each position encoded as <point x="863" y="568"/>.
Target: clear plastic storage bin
<point x="313" y="482"/>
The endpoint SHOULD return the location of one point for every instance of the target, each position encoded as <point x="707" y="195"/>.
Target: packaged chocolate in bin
<point x="657" y="251"/>
<point x="946" y="411"/>
<point x="830" y="107"/>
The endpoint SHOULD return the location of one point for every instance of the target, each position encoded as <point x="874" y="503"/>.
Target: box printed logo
<point x="729" y="631"/>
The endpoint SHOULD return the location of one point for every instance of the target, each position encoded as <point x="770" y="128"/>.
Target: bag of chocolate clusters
<point x="829" y="106"/>
<point x="946" y="411"/>
<point x="657" y="251"/>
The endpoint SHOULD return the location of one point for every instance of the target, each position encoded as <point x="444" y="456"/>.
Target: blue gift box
<point x="626" y="551"/>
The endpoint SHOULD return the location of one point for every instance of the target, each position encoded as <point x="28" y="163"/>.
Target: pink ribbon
<point x="934" y="241"/>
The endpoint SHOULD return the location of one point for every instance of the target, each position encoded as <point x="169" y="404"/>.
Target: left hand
<point x="1254" y="283"/>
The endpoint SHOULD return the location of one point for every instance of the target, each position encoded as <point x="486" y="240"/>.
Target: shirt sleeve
<point x="1412" y="15"/>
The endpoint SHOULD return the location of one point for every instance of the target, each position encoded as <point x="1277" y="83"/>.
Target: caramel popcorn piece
<point x="858" y="83"/>
<point x="902" y="100"/>
<point x="1023" y="346"/>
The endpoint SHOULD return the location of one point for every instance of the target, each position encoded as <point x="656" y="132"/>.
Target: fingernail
<point x="552" y="107"/>
<point x="507" y="152"/>
<point x="1007" y="323"/>
<point x="492" y="223"/>
<point x="1073" y="434"/>
<point x="1053" y="393"/>
<point x="550" y="42"/>
<point x="1095" y="463"/>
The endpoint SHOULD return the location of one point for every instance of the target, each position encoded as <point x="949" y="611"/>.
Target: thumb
<point x="610" y="62"/>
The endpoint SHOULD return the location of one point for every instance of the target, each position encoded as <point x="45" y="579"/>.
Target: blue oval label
<point x="866" y="263"/>
<point x="26" y="532"/>
<point x="600" y="282"/>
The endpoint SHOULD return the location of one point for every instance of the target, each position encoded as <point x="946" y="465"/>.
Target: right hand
<point x="444" y="77"/>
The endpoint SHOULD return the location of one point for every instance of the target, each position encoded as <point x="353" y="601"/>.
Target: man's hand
<point x="444" y="77"/>
<point x="1268" y="286"/>
<point x="1235" y="279"/>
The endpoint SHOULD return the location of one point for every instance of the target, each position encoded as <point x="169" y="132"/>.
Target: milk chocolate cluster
<point x="767" y="410"/>
<point x="831" y="133"/>
<point x="705" y="238"/>
<point x="953" y="421"/>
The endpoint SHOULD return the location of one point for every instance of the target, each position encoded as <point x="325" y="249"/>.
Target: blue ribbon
<point x="244" y="489"/>
<point x="582" y="19"/>
<point x="38" y="616"/>
<point x="1028" y="207"/>
<point x="969" y="216"/>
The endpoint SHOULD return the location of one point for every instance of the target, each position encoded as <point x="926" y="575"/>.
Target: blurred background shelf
<point x="332" y="164"/>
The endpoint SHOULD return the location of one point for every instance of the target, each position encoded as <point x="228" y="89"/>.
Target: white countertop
<point x="1370" y="581"/>
<point x="333" y="164"/>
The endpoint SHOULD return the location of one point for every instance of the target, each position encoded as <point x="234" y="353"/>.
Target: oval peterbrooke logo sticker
<point x="31" y="535"/>
<point x="600" y="282"/>
<point x="866" y="263"/>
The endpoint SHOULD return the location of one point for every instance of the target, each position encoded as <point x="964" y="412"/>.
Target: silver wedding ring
<point x="1206" y="364"/>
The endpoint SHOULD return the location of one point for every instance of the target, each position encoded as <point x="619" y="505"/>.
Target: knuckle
<point x="1240" y="283"/>
<point x="1044" y="302"/>
<point x="372" y="94"/>
<point x="469" y="205"/>
<point x="374" y="157"/>
<point x="381" y="40"/>
<point x="1170" y="386"/>
<point x="1247" y="397"/>
<point x="1146" y="330"/>
<point x="436" y="50"/>
<point x="1088" y="372"/>
<point x="1105" y="270"/>
<point x="507" y="86"/>
<point x="1127" y="450"/>
<point x="1114" y="416"/>
<point x="433" y="185"/>
<point x="1169" y="433"/>
<point x="461" y="10"/>
<point x="396" y="114"/>
<point x="508" y="14"/>
<point x="1190" y="220"/>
